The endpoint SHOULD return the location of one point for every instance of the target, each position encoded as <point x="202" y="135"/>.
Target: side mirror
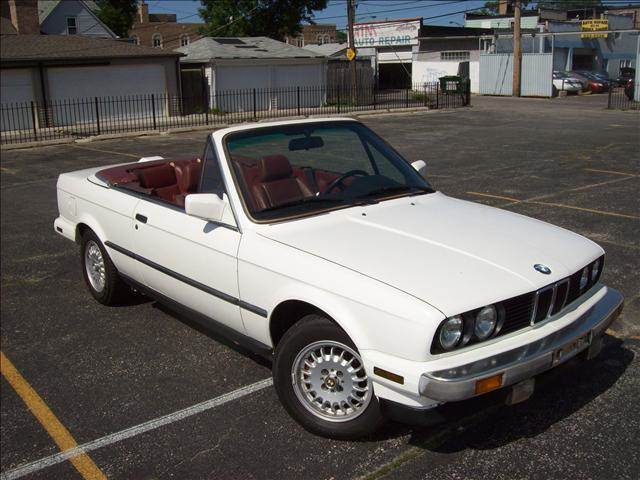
<point x="420" y="166"/>
<point x="207" y="206"/>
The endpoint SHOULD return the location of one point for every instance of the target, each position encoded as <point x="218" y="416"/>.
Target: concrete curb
<point x="146" y="133"/>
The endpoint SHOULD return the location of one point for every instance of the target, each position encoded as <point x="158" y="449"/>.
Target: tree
<point x="254" y="18"/>
<point x="570" y="4"/>
<point x="118" y="15"/>
<point x="492" y="7"/>
<point x="341" y="37"/>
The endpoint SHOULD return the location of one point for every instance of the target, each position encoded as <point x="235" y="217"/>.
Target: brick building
<point x="162" y="30"/>
<point x="317" y="34"/>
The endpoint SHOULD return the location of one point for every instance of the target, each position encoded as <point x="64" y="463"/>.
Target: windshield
<point x="295" y="170"/>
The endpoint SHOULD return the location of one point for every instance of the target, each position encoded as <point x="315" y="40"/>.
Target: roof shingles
<point x="21" y="48"/>
<point x="208" y="48"/>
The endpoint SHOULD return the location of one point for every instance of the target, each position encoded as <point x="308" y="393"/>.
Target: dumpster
<point x="451" y="84"/>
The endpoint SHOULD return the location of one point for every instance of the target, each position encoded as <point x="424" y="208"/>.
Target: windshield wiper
<point x="304" y="201"/>
<point x="397" y="188"/>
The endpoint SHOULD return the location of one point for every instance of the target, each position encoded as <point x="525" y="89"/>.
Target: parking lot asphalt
<point x="109" y="374"/>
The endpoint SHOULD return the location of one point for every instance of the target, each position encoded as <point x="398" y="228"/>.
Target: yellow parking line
<point x="559" y="205"/>
<point x="48" y="420"/>
<point x="104" y="151"/>
<point x="614" y="172"/>
<point x="499" y="197"/>
<point x="590" y="210"/>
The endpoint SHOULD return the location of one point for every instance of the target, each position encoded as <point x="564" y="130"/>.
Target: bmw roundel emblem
<point x="542" y="268"/>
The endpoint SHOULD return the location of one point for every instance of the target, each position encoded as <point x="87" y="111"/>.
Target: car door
<point x="190" y="260"/>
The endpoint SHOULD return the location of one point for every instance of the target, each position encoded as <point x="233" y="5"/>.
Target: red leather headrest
<point x="274" y="167"/>
<point x="188" y="176"/>
<point x="158" y="177"/>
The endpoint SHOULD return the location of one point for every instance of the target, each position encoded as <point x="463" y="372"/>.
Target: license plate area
<point x="571" y="349"/>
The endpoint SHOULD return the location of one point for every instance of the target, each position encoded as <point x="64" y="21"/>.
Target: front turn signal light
<point x="487" y="384"/>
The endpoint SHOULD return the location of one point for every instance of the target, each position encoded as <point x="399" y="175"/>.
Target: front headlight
<point x="485" y="322"/>
<point x="584" y="278"/>
<point x="451" y="332"/>
<point x="595" y="270"/>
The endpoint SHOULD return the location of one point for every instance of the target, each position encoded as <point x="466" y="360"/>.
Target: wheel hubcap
<point x="330" y="382"/>
<point x="94" y="265"/>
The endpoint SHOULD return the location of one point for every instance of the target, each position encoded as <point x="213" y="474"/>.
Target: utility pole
<point x="517" y="49"/>
<point x="351" y="17"/>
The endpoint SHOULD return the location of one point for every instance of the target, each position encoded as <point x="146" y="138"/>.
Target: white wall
<point x="430" y="70"/>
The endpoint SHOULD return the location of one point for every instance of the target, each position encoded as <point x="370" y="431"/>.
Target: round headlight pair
<point x="452" y="330"/>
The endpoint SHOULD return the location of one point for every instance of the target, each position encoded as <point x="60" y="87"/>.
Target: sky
<point x="434" y="12"/>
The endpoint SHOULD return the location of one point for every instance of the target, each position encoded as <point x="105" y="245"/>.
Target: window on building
<point x="135" y="39"/>
<point x="157" y="40"/>
<point x="625" y="63"/>
<point x="72" y="26"/>
<point x="319" y="39"/>
<point x="184" y="40"/>
<point x="455" y="56"/>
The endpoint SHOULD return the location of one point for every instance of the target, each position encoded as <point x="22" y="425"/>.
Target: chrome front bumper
<point x="524" y="362"/>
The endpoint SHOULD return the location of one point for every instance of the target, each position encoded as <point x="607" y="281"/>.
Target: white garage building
<point x="233" y="67"/>
<point x="50" y="69"/>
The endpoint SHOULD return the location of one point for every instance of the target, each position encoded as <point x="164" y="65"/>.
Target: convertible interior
<point x="269" y="181"/>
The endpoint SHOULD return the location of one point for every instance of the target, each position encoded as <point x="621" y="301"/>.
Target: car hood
<point x="453" y="254"/>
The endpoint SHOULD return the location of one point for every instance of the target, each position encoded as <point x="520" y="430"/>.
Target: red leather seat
<point x="278" y="185"/>
<point x="188" y="176"/>
<point x="161" y="180"/>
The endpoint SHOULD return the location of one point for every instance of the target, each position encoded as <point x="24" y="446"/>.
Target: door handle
<point x="141" y="218"/>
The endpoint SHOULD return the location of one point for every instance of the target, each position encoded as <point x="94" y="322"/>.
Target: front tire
<point x="321" y="381"/>
<point x="99" y="272"/>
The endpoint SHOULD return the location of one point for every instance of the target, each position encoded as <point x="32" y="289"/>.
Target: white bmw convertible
<point x="315" y="241"/>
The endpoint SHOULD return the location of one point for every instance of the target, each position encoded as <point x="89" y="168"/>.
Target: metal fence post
<point x="468" y="99"/>
<point x="33" y="120"/>
<point x="437" y="96"/>
<point x="406" y="98"/>
<point x="425" y="94"/>
<point x="255" y="105"/>
<point x="373" y="89"/>
<point x="610" y="91"/>
<point x="298" y="95"/>
<point x="338" y="99"/>
<point x="97" y="115"/>
<point x="153" y="109"/>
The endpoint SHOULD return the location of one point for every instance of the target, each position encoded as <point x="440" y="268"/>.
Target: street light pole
<point x="351" y="16"/>
<point x="517" y="49"/>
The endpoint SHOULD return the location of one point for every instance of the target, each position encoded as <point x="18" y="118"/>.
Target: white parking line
<point x="37" y="465"/>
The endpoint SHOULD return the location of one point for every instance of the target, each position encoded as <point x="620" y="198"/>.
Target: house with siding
<point x="71" y="17"/>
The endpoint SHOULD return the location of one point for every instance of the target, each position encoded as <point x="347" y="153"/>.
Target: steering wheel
<point x="342" y="178"/>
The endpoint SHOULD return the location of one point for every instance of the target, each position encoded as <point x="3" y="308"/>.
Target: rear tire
<point x="99" y="272"/>
<point x="320" y="379"/>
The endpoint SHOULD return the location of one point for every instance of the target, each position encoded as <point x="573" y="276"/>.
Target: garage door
<point x="115" y="81"/>
<point x="231" y="79"/>
<point x="16" y="89"/>
<point x="311" y="79"/>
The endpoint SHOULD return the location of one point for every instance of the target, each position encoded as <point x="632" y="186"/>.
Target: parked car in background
<point x="314" y="241"/>
<point x="594" y="82"/>
<point x="626" y="74"/>
<point x="563" y="81"/>
<point x="629" y="89"/>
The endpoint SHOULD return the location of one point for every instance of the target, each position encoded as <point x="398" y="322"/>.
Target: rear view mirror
<point x="305" y="143"/>
<point x="207" y="206"/>
<point x="420" y="166"/>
